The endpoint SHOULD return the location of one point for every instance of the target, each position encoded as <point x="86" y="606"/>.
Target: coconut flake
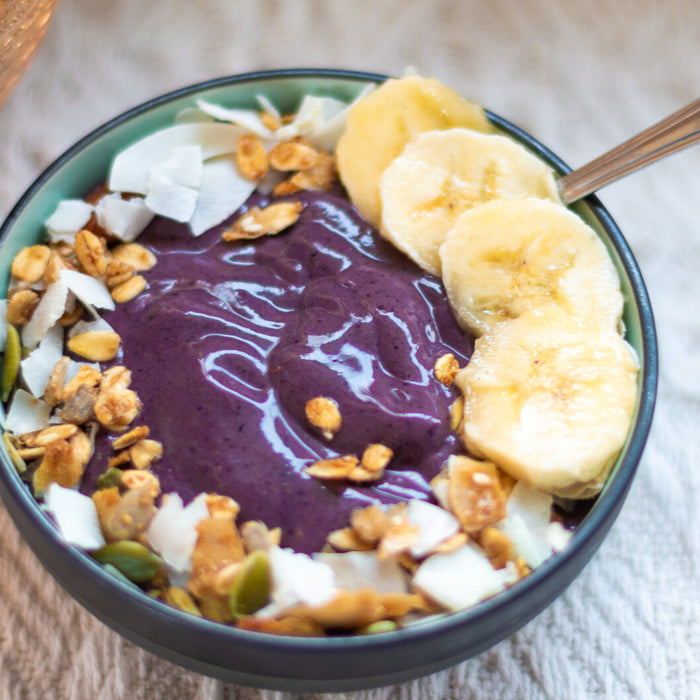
<point x="325" y="138"/>
<point x="528" y="515"/>
<point x="356" y="570"/>
<point x="37" y="367"/>
<point x="434" y="525"/>
<point x="459" y="579"/>
<point x="27" y="413"/>
<point x="123" y="218"/>
<point x="49" y="309"/>
<point x="76" y="517"/>
<point x="89" y="290"/>
<point x="131" y="169"/>
<point x="268" y="107"/>
<point x="68" y="218"/>
<point x="247" y="118"/>
<point x="297" y="578"/>
<point x="223" y="191"/>
<point x="74" y="367"/>
<point x="173" y="533"/>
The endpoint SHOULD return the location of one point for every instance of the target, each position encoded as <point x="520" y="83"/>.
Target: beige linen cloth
<point x="581" y="76"/>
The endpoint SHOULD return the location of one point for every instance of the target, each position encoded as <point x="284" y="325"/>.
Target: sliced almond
<point x="347" y="540"/>
<point x="334" y="468"/>
<point x="55" y="432"/>
<point x="126" y="291"/>
<point x="140" y="432"/>
<point x="96" y="346"/>
<point x="292" y="155"/>
<point x="30" y="263"/>
<point x="251" y="157"/>
<point x="269" y="221"/>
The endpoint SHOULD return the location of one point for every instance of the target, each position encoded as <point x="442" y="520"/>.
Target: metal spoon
<point x="679" y="130"/>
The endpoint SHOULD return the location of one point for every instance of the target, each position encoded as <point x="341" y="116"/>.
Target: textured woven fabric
<point x="579" y="76"/>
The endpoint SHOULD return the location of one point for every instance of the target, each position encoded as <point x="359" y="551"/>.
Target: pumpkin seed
<point x="251" y="588"/>
<point x="378" y="626"/>
<point x="134" y="560"/>
<point x="109" y="478"/>
<point x="110" y="569"/>
<point x="10" y="365"/>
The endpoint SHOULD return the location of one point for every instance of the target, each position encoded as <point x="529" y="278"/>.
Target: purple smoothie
<point x="230" y="340"/>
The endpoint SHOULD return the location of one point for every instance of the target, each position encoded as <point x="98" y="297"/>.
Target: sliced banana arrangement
<point x="551" y="388"/>
<point x="442" y="174"/>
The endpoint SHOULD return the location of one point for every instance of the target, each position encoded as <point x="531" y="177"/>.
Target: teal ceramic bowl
<point x="289" y="663"/>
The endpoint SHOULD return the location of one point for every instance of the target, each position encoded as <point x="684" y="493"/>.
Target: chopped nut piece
<point x="292" y="155"/>
<point x="116" y="377"/>
<point x="145" y="452"/>
<point x="323" y="414"/>
<point x="30" y="263"/>
<point x="369" y="523"/>
<point x="319" y="177"/>
<point x="119" y="460"/>
<point x="86" y="375"/>
<point x="96" y="346"/>
<point x="134" y="254"/>
<point x="63" y="462"/>
<point x="347" y="540"/>
<point x="456" y="413"/>
<point x="398" y="539"/>
<point x="70" y="317"/>
<point x="115" y="409"/>
<point x="91" y="252"/>
<point x="20" y="307"/>
<point x="334" y="468"/>
<point x="79" y="408"/>
<point x="133" y="436"/>
<point x="362" y="475"/>
<point x="222" y="506"/>
<point x="251" y="157"/>
<point x="55" y="432"/>
<point x="376" y="457"/>
<point x="118" y="272"/>
<point x="399" y="604"/>
<point x="474" y="493"/>
<point x="255" y="535"/>
<point x="459" y="539"/>
<point x="54" y="266"/>
<point x="126" y="291"/>
<point x="446" y="368"/>
<point x="497" y="546"/>
<point x="269" y="221"/>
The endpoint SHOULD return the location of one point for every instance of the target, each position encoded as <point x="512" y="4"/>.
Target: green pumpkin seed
<point x="112" y="477"/>
<point x="378" y="626"/>
<point x="132" y="559"/>
<point x="10" y="365"/>
<point x="110" y="569"/>
<point x="251" y="588"/>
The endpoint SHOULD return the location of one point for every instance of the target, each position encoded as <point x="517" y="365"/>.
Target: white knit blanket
<point x="581" y="77"/>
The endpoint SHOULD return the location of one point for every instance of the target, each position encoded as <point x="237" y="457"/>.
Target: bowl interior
<point x="292" y="663"/>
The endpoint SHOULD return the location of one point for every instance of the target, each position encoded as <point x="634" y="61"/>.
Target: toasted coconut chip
<point x="434" y="524"/>
<point x="76" y="517"/>
<point x="528" y="515"/>
<point x="3" y="323"/>
<point x="173" y="185"/>
<point x="173" y="534"/>
<point x="97" y="324"/>
<point x="123" y="218"/>
<point x="37" y="367"/>
<point x="49" y="309"/>
<point x="297" y="578"/>
<point x="27" y="414"/>
<point x="89" y="290"/>
<point x="70" y="216"/>
<point x="248" y="118"/>
<point x="326" y="137"/>
<point x="131" y="169"/>
<point x="223" y="191"/>
<point x="356" y="570"/>
<point x="311" y="117"/>
<point x="459" y="579"/>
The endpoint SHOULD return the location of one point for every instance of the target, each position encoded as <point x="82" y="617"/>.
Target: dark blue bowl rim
<point x="74" y="569"/>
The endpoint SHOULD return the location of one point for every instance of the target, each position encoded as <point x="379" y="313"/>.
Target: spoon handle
<point x="679" y="130"/>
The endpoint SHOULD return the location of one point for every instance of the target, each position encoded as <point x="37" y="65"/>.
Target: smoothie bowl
<point x="310" y="380"/>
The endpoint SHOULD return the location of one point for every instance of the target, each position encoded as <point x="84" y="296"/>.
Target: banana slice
<point x="550" y="400"/>
<point x="441" y="175"/>
<point x="381" y="124"/>
<point x="505" y="257"/>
